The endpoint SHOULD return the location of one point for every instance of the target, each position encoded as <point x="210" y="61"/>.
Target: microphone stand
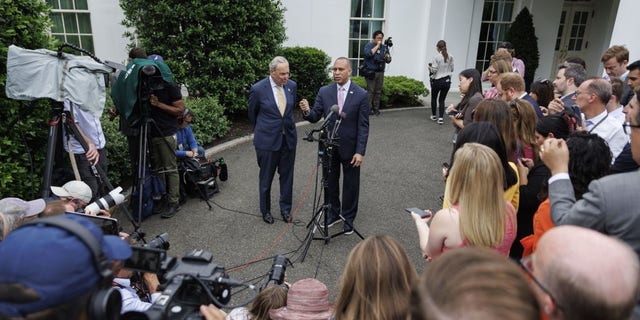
<point x="328" y="144"/>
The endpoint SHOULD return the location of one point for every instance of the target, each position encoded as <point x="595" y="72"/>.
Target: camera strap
<point x="72" y="157"/>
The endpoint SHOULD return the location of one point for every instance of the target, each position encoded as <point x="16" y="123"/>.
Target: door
<point x="572" y="32"/>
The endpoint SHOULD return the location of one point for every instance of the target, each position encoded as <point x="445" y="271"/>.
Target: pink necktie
<point x="340" y="98"/>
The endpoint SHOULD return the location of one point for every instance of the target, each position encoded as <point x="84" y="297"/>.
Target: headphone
<point x="105" y="302"/>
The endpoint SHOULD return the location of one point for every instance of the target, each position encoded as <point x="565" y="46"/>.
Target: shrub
<point x="398" y="91"/>
<point x="209" y="121"/>
<point x="309" y="68"/>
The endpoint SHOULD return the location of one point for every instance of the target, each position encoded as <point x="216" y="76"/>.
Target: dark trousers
<point x="350" y="189"/>
<point x="87" y="175"/>
<point x="439" y="89"/>
<point x="374" y="90"/>
<point x="269" y="161"/>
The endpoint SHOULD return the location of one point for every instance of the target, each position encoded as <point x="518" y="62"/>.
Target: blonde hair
<point x="524" y="122"/>
<point x="376" y="282"/>
<point x="477" y="188"/>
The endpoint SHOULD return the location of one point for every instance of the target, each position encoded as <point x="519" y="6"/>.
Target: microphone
<point x="341" y="116"/>
<point x="334" y="109"/>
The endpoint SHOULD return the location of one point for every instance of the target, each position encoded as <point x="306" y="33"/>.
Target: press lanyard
<point x="599" y="122"/>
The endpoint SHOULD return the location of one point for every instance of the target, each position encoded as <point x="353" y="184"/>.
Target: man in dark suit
<point x="271" y="102"/>
<point x="353" y="133"/>
<point x="569" y="77"/>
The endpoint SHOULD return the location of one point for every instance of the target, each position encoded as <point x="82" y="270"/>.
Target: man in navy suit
<point x="271" y="102"/>
<point x="353" y="133"/>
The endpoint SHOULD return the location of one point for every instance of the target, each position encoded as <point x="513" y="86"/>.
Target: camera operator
<point x="166" y="107"/>
<point x="135" y="297"/>
<point x="376" y="55"/>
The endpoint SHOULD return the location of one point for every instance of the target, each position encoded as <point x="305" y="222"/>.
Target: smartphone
<point x="418" y="211"/>
<point x="108" y="225"/>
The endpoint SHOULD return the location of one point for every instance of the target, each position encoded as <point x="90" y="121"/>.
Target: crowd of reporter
<point x="549" y="236"/>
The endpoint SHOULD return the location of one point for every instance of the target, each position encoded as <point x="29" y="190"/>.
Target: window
<point x="72" y="22"/>
<point x="367" y="16"/>
<point x="496" y="19"/>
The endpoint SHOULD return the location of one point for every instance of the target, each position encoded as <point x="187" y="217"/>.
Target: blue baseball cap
<point x="54" y="263"/>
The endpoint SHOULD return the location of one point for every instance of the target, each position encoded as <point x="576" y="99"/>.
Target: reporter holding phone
<point x="471" y="91"/>
<point x="483" y="219"/>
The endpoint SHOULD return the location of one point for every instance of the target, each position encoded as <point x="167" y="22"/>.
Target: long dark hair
<point x="442" y="48"/>
<point x="474" y="87"/>
<point x="487" y="134"/>
<point x="561" y="125"/>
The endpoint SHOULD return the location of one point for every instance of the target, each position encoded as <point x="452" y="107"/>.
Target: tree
<point x="216" y="48"/>
<point x="25" y="23"/>
<point x="522" y="35"/>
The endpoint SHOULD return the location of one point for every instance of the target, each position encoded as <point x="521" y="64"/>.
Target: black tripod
<point x="328" y="144"/>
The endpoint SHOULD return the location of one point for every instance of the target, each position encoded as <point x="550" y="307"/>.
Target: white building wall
<point x="319" y="24"/>
<point x="108" y="32"/>
<point x="625" y="28"/>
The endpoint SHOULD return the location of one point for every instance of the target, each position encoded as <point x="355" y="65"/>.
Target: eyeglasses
<point x="544" y="81"/>
<point x="629" y="125"/>
<point x="527" y="265"/>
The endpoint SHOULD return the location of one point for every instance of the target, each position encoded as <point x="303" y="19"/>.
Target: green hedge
<point x="309" y="68"/>
<point x="398" y="91"/>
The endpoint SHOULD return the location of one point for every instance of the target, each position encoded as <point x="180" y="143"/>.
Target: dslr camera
<point x="388" y="42"/>
<point x="187" y="282"/>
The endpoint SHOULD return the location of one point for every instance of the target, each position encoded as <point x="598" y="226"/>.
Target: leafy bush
<point x="25" y="24"/>
<point x="209" y="121"/>
<point x="217" y="48"/>
<point x="398" y="91"/>
<point x="309" y="69"/>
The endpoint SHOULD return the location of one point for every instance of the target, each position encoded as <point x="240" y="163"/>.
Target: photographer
<point x="271" y="297"/>
<point x="376" y="55"/>
<point x="166" y="106"/>
<point x="134" y="296"/>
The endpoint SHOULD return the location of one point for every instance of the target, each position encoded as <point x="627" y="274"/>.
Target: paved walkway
<point x="401" y="169"/>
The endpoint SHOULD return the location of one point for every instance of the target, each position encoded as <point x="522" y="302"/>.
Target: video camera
<point x="388" y="42"/>
<point x="187" y="282"/>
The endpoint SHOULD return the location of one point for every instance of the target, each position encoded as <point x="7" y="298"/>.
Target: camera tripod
<point x="328" y="144"/>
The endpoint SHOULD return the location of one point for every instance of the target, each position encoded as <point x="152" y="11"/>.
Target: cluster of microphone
<point x="327" y="120"/>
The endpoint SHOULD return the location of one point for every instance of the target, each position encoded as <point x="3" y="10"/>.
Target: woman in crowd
<point x="376" y="281"/>
<point x="589" y="159"/>
<point x="498" y="113"/>
<point x="473" y="283"/>
<point x="524" y="125"/>
<point x="440" y="70"/>
<point x="482" y="219"/>
<point x="516" y="64"/>
<point x="271" y="297"/>
<point x="542" y="92"/>
<point x="496" y="68"/>
<point x="534" y="174"/>
<point x="486" y="134"/>
<point x="471" y="91"/>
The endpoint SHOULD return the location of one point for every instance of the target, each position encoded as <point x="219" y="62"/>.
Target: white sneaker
<point x="433" y="118"/>
<point x="440" y="121"/>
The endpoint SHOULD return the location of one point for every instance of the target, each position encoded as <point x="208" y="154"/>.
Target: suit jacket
<point x="611" y="206"/>
<point x="354" y="128"/>
<point x="270" y="127"/>
<point x="534" y="103"/>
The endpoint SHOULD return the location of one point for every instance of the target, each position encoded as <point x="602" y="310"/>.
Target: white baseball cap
<point x="74" y="188"/>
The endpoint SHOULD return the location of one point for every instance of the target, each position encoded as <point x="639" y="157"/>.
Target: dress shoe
<point x="286" y="215"/>
<point x="268" y="218"/>
<point x="171" y="211"/>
